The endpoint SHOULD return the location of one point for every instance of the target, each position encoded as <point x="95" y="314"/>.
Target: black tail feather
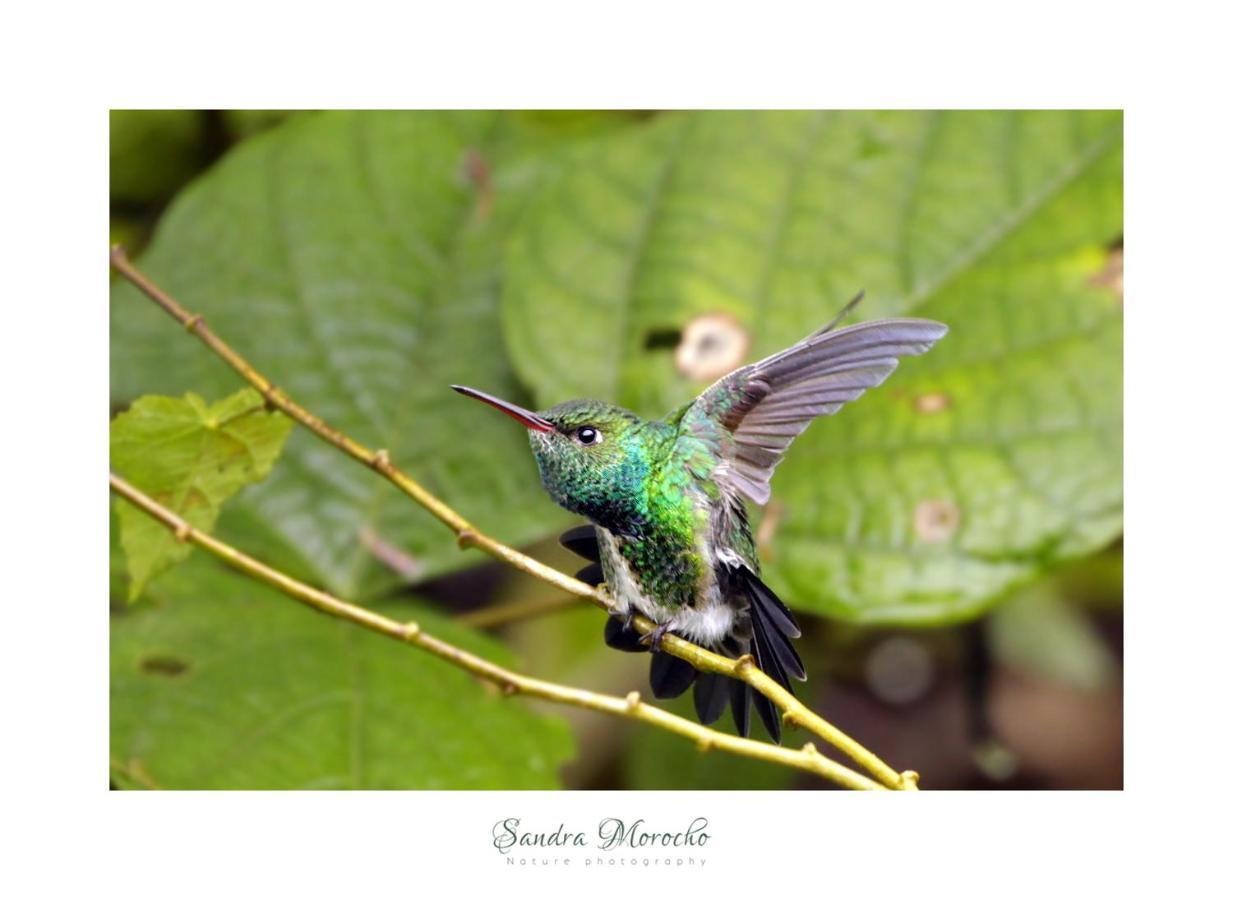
<point x="773" y="629"/>
<point x="773" y="626"/>
<point x="768" y="713"/>
<point x="739" y="693"/>
<point x="776" y="648"/>
<point x="592" y="574"/>
<point x="769" y="664"/>
<point x="583" y="541"/>
<point x="670" y="677"/>
<point x="710" y="696"/>
<point x="770" y="607"/>
<point x="765" y="656"/>
<point x="619" y="636"/>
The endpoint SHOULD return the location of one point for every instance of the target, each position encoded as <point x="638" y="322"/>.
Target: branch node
<point x="183" y="531"/>
<point x="410" y="630"/>
<point x="381" y="460"/>
<point x="191" y="323"/>
<point x="744" y="662"/>
<point x="271" y="404"/>
<point x="790" y="720"/>
<point x="508" y="688"/>
<point x="632" y="699"/>
<point x="810" y="749"/>
<point x="706" y="744"/>
<point x="909" y="779"/>
<point x="466" y="539"/>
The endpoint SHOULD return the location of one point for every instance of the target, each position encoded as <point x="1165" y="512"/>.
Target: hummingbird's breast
<point x="666" y="570"/>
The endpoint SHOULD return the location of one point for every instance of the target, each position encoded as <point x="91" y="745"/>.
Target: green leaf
<point x="974" y="468"/>
<point x="190" y="457"/>
<point x="353" y="258"/>
<point x="236" y="686"/>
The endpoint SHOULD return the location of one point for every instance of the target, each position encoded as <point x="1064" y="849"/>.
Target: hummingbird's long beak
<point x="525" y="416"/>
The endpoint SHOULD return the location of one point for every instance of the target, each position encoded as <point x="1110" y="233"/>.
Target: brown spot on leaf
<point x="166" y="666"/>
<point x="935" y="520"/>
<point x="711" y="345"/>
<point x="932" y="402"/>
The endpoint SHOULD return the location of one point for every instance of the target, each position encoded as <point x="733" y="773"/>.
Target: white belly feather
<point x="706" y="623"/>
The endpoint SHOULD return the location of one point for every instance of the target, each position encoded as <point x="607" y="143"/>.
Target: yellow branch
<point x="793" y="710"/>
<point x="510" y="682"/>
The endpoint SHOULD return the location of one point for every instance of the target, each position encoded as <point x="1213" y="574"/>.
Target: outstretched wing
<point x="754" y="413"/>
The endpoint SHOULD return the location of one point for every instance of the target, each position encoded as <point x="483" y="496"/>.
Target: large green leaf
<point x="236" y="686"/>
<point x="353" y="258"/>
<point x="190" y="457"/>
<point x="975" y="467"/>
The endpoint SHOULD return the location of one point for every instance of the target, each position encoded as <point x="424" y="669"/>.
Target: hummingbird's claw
<point x="655" y="637"/>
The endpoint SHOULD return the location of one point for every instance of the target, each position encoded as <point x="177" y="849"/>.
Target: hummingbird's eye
<point x="589" y="435"/>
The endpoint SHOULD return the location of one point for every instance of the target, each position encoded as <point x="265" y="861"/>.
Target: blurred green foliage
<point x="1043" y="631"/>
<point x="153" y="153"/>
<point x="364" y="261"/>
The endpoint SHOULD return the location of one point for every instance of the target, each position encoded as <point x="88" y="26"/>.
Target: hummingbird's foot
<point x="655" y="636"/>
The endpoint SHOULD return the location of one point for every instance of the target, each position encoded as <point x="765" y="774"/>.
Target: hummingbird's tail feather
<point x="619" y="636"/>
<point x="771" y="630"/>
<point x="713" y="693"/>
<point x="670" y="676"/>
<point x="592" y="574"/>
<point x="767" y="610"/>
<point x="583" y="541"/>
<point x="739" y="693"/>
<point x="767" y="713"/>
<point x="710" y="696"/>
<point x="766" y="655"/>
<point x="773" y="626"/>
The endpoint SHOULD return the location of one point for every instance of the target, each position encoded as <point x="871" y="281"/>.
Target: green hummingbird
<point x="670" y="535"/>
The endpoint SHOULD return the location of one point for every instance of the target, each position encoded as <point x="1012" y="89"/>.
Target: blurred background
<point x="951" y="543"/>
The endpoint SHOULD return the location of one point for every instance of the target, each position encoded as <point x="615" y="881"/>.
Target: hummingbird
<point x="669" y="533"/>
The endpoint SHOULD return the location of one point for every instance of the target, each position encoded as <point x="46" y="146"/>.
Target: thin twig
<point x="743" y="669"/>
<point x="510" y="682"/>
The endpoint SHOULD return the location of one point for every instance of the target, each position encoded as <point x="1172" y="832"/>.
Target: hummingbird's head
<point x="591" y="455"/>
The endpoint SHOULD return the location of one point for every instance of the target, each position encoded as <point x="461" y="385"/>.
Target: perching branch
<point x="743" y="669"/>
<point x="631" y="706"/>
